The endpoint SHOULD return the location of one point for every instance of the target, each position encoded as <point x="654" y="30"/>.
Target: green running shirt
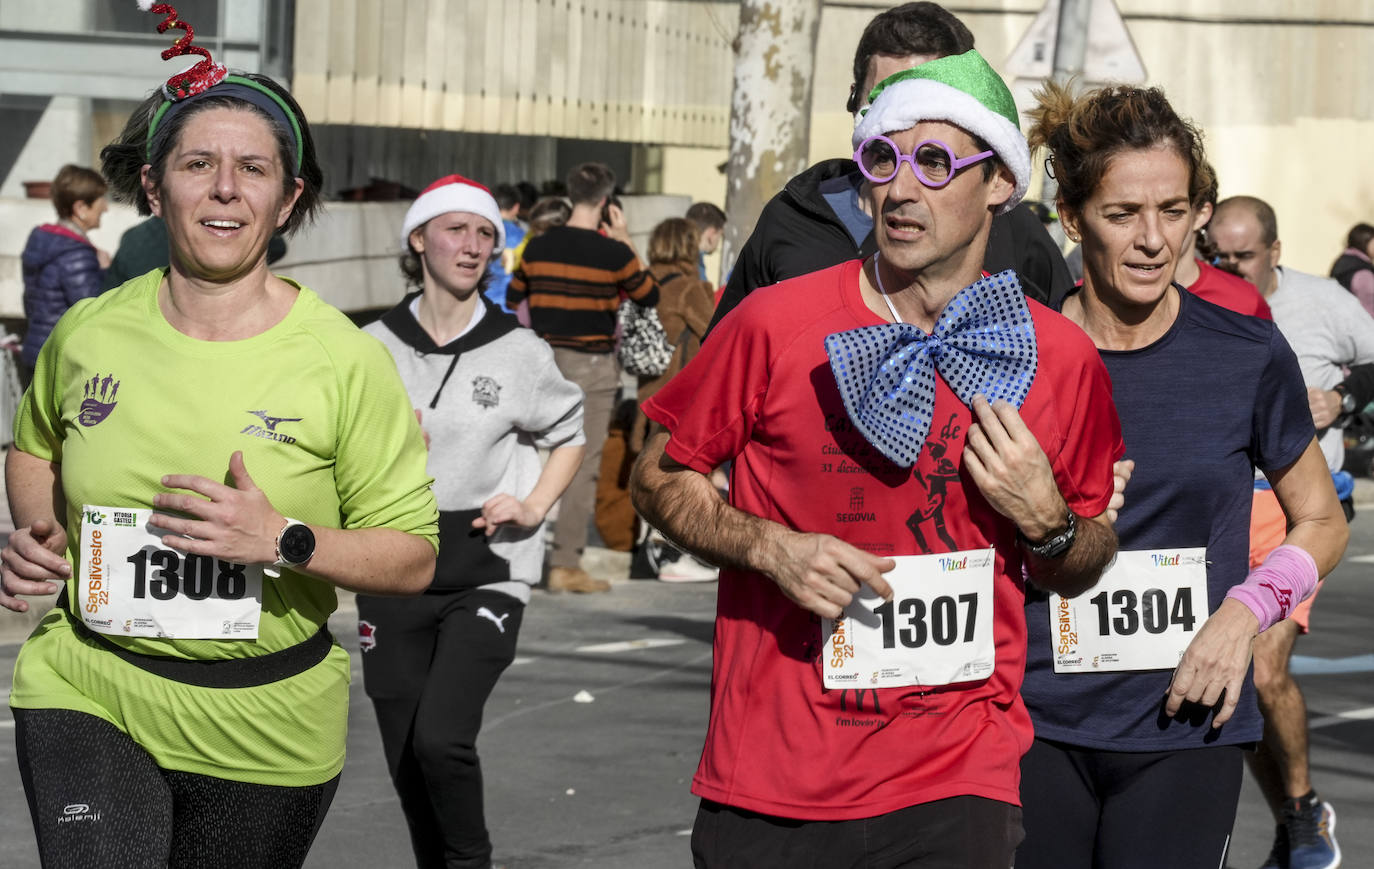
<point x="119" y="399"/>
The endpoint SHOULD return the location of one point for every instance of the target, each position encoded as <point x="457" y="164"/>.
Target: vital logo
<point x="1165" y="560"/>
<point x="948" y="564"/>
<point x="77" y="812"/>
<point x="270" y="432"/>
<point x="483" y="612"/>
<point x="486" y="392"/>
<point x="367" y="635"/>
<point x="98" y="401"/>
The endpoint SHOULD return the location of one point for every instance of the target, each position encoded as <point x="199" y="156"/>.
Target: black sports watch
<point x="295" y="544"/>
<point x="1348" y="405"/>
<point x="1056" y="545"/>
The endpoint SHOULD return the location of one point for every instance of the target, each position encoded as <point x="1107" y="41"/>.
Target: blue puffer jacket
<point x="60" y="269"/>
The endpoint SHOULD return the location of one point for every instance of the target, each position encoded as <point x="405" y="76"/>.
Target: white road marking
<point x="648" y="677"/>
<point x="1362" y="559"/>
<point x="1365" y="714"/>
<point x="632" y="645"/>
<point x="518" y="659"/>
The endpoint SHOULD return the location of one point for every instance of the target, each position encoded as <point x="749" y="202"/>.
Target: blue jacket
<point x="60" y="269"/>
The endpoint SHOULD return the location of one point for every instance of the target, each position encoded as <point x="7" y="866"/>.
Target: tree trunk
<point x="770" y="110"/>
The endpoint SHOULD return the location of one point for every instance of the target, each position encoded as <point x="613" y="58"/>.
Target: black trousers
<point x="956" y="833"/>
<point x="429" y="664"/>
<point x="97" y="799"/>
<point x="1092" y="809"/>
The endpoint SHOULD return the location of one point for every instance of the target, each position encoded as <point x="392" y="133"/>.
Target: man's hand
<point x="1121" y="475"/>
<point x="506" y="509"/>
<point x="616" y="226"/>
<point x="1011" y="470"/>
<point x="1325" y="404"/>
<point x="233" y="523"/>
<point x="1216" y="661"/>
<point x="33" y="563"/>
<point x="822" y="574"/>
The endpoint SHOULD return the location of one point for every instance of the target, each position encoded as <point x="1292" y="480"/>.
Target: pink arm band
<point x="1271" y="591"/>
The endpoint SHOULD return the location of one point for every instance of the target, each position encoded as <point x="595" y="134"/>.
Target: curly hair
<point x="122" y="161"/>
<point x="1084" y="133"/>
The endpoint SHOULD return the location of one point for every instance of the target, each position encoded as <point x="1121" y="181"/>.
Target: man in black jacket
<point x="818" y="220"/>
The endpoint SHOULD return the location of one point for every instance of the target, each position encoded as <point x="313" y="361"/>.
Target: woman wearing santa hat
<point x="489" y="397"/>
<point x="206" y="453"/>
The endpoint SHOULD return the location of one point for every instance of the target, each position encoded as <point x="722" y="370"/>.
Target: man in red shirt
<point x="884" y="516"/>
<point x="1208" y="282"/>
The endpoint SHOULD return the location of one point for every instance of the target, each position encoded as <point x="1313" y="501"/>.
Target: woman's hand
<point x="1121" y="475"/>
<point x="507" y="510"/>
<point x="233" y="523"/>
<point x="32" y="563"/>
<point x="1216" y="661"/>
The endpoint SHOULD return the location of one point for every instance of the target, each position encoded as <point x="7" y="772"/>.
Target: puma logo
<point x="485" y="613"/>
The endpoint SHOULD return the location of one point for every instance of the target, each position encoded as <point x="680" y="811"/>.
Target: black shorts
<point x="956" y="833"/>
<point x="1087" y="807"/>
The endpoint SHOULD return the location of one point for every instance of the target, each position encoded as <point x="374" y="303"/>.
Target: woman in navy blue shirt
<point x="1140" y="689"/>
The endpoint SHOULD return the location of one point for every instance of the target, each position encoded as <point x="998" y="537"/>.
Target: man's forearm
<point x="1078" y="569"/>
<point x="686" y="507"/>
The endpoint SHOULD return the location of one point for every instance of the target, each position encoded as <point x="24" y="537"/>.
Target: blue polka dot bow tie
<point x="983" y="344"/>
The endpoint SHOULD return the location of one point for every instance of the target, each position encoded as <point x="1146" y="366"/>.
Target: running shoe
<point x="1311" y="836"/>
<point x="1278" y="854"/>
<point x="687" y="568"/>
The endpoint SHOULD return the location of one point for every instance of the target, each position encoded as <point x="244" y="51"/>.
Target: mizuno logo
<point x="273" y="421"/>
<point x="485" y="613"/>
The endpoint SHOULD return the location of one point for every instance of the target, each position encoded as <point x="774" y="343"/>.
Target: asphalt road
<point x="605" y="783"/>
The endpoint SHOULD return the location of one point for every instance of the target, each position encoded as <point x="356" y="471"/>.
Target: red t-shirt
<point x="761" y="392"/>
<point x="1229" y="291"/>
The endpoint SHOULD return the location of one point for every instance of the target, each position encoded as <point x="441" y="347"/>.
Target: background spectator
<point x="709" y="221"/>
<point x="60" y="264"/>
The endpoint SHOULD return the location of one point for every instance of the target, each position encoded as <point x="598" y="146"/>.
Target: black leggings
<point x="97" y="799"/>
<point x="1092" y="809"/>
<point x="430" y="664"/>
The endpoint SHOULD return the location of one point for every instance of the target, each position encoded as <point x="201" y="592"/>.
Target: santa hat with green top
<point x="961" y="89"/>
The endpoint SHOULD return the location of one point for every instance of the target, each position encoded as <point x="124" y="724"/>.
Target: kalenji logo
<point x="367" y="635"/>
<point x="77" y="812"/>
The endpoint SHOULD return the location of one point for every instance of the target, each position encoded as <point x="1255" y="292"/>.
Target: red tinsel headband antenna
<point x="204" y="75"/>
